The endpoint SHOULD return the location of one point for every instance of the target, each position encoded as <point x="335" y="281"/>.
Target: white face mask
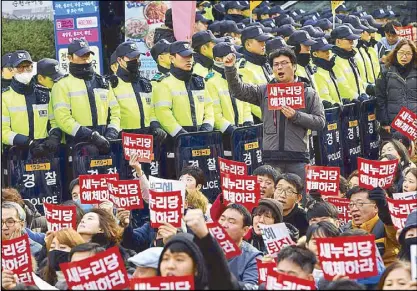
<point x="24" y="77"/>
<point x="219" y="64"/>
<point x="355" y="43"/>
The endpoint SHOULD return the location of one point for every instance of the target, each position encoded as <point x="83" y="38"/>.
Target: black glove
<point x="327" y="104"/>
<point x="111" y="133"/>
<point x="248" y="123"/>
<point x="229" y="130"/>
<point x="363" y="97"/>
<point x="159" y="134"/>
<point x="37" y="149"/>
<point x="54" y="140"/>
<point x="345" y="101"/>
<point x="370" y="90"/>
<point x="206" y="127"/>
<point x="379" y="196"/>
<point x="83" y="134"/>
<point x="182" y="131"/>
<point x="100" y="142"/>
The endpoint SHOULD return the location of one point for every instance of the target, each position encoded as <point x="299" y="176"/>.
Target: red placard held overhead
<point x="16" y="257"/>
<point x="406" y="123"/>
<point x="140" y="144"/>
<point x="342" y="205"/>
<point x="275" y="236"/>
<point x="60" y="216"/>
<point x="408" y="32"/>
<point x="232" y="167"/>
<point x="94" y="188"/>
<point x="165" y="207"/>
<point x="163" y="283"/>
<point x="374" y="174"/>
<point x="354" y="256"/>
<point x="229" y="247"/>
<point x="324" y="179"/>
<point x="125" y="194"/>
<point x="399" y="210"/>
<point x="243" y="190"/>
<point x="264" y="268"/>
<point x="281" y="281"/>
<point x="286" y="94"/>
<point x="103" y="271"/>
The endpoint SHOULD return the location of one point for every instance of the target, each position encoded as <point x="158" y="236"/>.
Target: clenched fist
<point x="195" y="221"/>
<point x="229" y="60"/>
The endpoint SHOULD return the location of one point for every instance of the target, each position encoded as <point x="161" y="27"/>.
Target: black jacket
<point x="298" y="218"/>
<point x="164" y="33"/>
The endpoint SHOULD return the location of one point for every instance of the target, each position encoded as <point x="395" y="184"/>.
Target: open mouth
<point x="281" y="75"/>
<point x="170" y="274"/>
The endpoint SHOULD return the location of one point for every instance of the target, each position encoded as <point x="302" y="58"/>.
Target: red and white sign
<point x="65" y="23"/>
<point x="353" y="256"/>
<point x="163" y="283"/>
<point x="374" y="174"/>
<point x="94" y="188"/>
<point x="406" y="123"/>
<point x="140" y="144"/>
<point x="103" y="271"/>
<point x="125" y="194"/>
<point x="229" y="247"/>
<point x="408" y="32"/>
<point x="16" y="257"/>
<point x="324" y="179"/>
<point x="399" y="210"/>
<point x="87" y="22"/>
<point x="164" y="185"/>
<point x="232" y="167"/>
<point x="264" y="268"/>
<point x="243" y="190"/>
<point x="342" y="205"/>
<point x="165" y="207"/>
<point x="286" y="94"/>
<point x="275" y="236"/>
<point x="60" y="216"/>
<point x="67" y="36"/>
<point x="405" y="195"/>
<point x="281" y="281"/>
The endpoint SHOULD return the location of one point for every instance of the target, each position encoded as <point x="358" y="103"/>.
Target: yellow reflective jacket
<point x="327" y="85"/>
<point x="302" y="72"/>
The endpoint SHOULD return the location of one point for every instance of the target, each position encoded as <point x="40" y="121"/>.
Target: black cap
<point x="321" y="45"/>
<point x="49" y="68"/>
<point x="79" y="47"/>
<point x="379" y="13"/>
<point x="371" y="21"/>
<point x="285" y="30"/>
<point x="233" y="5"/>
<point x="326" y="35"/>
<point x="6" y="60"/>
<point x="245" y="5"/>
<point x="355" y="21"/>
<point x="265" y="10"/>
<point x="215" y="27"/>
<point x="19" y="57"/>
<point x="241" y="26"/>
<point x="254" y="32"/>
<point x="312" y="31"/>
<point x="311" y="21"/>
<point x="289" y="20"/>
<point x="300" y="37"/>
<point x="343" y="31"/>
<point x="220" y="8"/>
<point x="203" y="37"/>
<point x="182" y="48"/>
<point x="162" y="46"/>
<point x="295" y="16"/>
<point x="129" y="49"/>
<point x="269" y="23"/>
<point x="369" y="29"/>
<point x="264" y="28"/>
<point x="222" y="49"/>
<point x="354" y="30"/>
<point x="275" y="43"/>
<point x="391" y="14"/>
<point x="277" y="9"/>
<point x="341" y="8"/>
<point x="113" y="58"/>
<point x="201" y="18"/>
<point x="324" y="24"/>
<point x="228" y="26"/>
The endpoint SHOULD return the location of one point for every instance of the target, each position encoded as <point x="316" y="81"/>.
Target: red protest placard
<point x="354" y="256"/>
<point x="406" y="123"/>
<point x="229" y="247"/>
<point x="165" y="207"/>
<point x="408" y="32"/>
<point x="60" y="216"/>
<point x="16" y="257"/>
<point x="276" y="237"/>
<point x="281" y="281"/>
<point x="232" y="167"/>
<point x="163" y="283"/>
<point x="374" y="174"/>
<point x="125" y="194"/>
<point x="243" y="190"/>
<point x="399" y="210"/>
<point x="140" y="144"/>
<point x="103" y="271"/>
<point x="324" y="179"/>
<point x="286" y="94"/>
<point x="342" y="205"/>
<point x="264" y="268"/>
<point x="94" y="188"/>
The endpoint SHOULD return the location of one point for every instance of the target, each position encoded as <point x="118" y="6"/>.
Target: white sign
<point x="413" y="252"/>
<point x="27" y="10"/>
<point x="275" y="236"/>
<point x="405" y="195"/>
<point x="64" y="62"/>
<point x="87" y="22"/>
<point x="164" y="185"/>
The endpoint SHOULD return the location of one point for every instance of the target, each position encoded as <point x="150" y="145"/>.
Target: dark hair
<point x="392" y="56"/>
<point x="413" y="171"/>
<point x="168" y="18"/>
<point x="402" y="139"/>
<point x="262" y="209"/>
<point x="282" y="52"/>
<point x="389" y="27"/>
<point x="322" y="209"/>
<point x="322" y="229"/>
<point x="267" y="170"/>
<point x="300" y="256"/>
<point x="179" y="247"/>
<point x="355" y="190"/>
<point x="294" y="180"/>
<point x="23" y="286"/>
<point x="93" y="248"/>
<point x="196" y="172"/>
<point x="78" y="209"/>
<point x="344" y="284"/>
<point x="400" y="148"/>
<point x="343" y="185"/>
<point x="354" y="232"/>
<point x="111" y="230"/>
<point x="12" y="195"/>
<point x="247" y="218"/>
<point x="72" y="184"/>
<point x="388" y="270"/>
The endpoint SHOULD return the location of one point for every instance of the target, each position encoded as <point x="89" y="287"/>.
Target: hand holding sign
<point x="288" y="112"/>
<point x="196" y="223"/>
<point x="8" y="279"/>
<point x="166" y="231"/>
<point x="134" y="163"/>
<point x="230" y="60"/>
<point x="124" y="217"/>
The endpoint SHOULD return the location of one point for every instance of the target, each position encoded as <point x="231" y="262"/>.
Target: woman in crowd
<point x="396" y="148"/>
<point x="353" y="179"/>
<point x="410" y="180"/>
<point x="397" y="277"/>
<point x="408" y="236"/>
<point x="397" y="184"/>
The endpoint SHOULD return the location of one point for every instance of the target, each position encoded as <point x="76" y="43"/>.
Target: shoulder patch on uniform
<point x="163" y="77"/>
<point x="146" y="85"/>
<point x="209" y="76"/>
<point x="242" y="63"/>
<point x="156" y="77"/>
<point x="114" y="81"/>
<point x="198" y="81"/>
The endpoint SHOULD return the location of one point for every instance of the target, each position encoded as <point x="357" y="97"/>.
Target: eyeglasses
<point x="9" y="222"/>
<point x="407" y="54"/>
<point x="281" y="64"/>
<point x="285" y="192"/>
<point x="27" y="68"/>
<point x="358" y="204"/>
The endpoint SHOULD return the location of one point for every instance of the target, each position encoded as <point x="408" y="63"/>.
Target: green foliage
<point x="34" y="36"/>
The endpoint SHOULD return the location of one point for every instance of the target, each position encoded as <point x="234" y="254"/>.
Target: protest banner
<point x="275" y="236"/>
<point x="399" y="210"/>
<point x="229" y="247"/>
<point x="324" y="179"/>
<point x="243" y="190"/>
<point x="406" y="123"/>
<point x="94" y="188"/>
<point x="60" y="216"/>
<point x="16" y="257"/>
<point x="125" y="194"/>
<point x="232" y="167"/>
<point x="342" y="205"/>
<point x="286" y="94"/>
<point x="408" y="32"/>
<point x="103" y="271"/>
<point x="280" y="281"/>
<point x="164" y="185"/>
<point x="139" y="144"/>
<point x="354" y="256"/>
<point x="264" y="268"/>
<point x="374" y="174"/>
<point x="165" y="207"/>
<point x="405" y="195"/>
<point x="163" y="283"/>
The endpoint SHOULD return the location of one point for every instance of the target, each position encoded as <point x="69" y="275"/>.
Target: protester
<point x="297" y="262"/>
<point x="322" y="211"/>
<point x="397" y="277"/>
<point x="397" y="183"/>
<point x="146" y="263"/>
<point x="353" y="179"/>
<point x="267" y="178"/>
<point x="343" y="284"/>
<point x="410" y="180"/>
<point x="408" y="236"/>
<point x="389" y="42"/>
<point x="397" y="149"/>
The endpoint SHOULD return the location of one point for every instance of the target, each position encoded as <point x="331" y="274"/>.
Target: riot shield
<point x="368" y="127"/>
<point x="351" y="138"/>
